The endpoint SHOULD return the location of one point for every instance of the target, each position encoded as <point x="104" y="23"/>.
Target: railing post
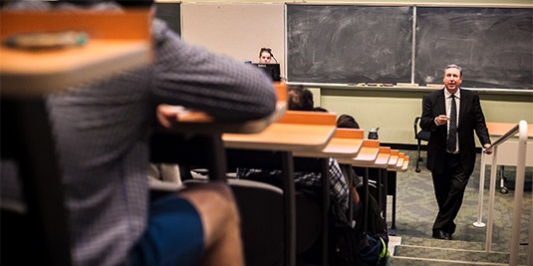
<point x="492" y="191"/>
<point x="479" y="223"/>
<point x="519" y="192"/>
<point x="530" y="241"/>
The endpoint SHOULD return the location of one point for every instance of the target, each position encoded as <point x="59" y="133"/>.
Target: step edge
<point x="452" y="261"/>
<point x="454" y="249"/>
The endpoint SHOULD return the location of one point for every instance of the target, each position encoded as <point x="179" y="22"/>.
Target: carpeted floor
<point x="416" y="206"/>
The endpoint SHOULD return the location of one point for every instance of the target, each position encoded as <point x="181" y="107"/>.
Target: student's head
<point x="347" y="121"/>
<point x="300" y="99"/>
<point x="265" y="55"/>
<point x="453" y="76"/>
<point x="320" y="109"/>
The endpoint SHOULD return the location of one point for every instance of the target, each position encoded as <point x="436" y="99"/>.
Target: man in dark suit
<point x="452" y="115"/>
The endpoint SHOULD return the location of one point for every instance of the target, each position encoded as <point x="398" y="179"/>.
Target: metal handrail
<point x="522" y="129"/>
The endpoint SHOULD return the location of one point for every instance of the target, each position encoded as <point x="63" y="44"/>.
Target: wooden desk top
<point x="499" y="129"/>
<point x="366" y="156"/>
<point x="295" y="131"/>
<point x="34" y="73"/>
<point x="403" y="167"/>
<point x="383" y="157"/>
<point x="393" y="160"/>
<point x="346" y="143"/>
<point x="401" y="157"/>
<point x="109" y="50"/>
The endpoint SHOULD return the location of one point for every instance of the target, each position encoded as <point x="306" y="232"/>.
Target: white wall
<point x="238" y="30"/>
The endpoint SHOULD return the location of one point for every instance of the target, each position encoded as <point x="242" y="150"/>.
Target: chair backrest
<point x="262" y="221"/>
<point x="261" y="210"/>
<point x="415" y="125"/>
<point x="420" y="134"/>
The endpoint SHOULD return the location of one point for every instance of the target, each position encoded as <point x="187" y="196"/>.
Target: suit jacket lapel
<point x="441" y="103"/>
<point x="462" y="107"/>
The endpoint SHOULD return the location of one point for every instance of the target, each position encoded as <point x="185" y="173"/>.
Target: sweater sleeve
<point x="195" y="78"/>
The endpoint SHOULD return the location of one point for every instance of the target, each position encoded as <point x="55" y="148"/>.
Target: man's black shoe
<point x="439" y="234"/>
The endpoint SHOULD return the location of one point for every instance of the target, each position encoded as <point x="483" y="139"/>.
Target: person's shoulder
<point x="434" y="94"/>
<point x="468" y="92"/>
<point x="159" y="28"/>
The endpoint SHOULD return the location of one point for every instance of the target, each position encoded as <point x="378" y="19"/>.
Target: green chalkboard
<point x="170" y="13"/>
<point x="349" y="44"/>
<point x="494" y="46"/>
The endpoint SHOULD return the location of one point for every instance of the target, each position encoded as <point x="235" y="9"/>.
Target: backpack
<point x="351" y="246"/>
<point x="372" y="251"/>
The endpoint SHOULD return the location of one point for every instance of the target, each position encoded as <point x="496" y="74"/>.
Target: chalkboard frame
<point x="503" y="88"/>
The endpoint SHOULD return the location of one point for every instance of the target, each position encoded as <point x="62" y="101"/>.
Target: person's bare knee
<point x="216" y="206"/>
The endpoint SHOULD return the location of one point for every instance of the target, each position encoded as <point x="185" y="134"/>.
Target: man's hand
<point x="486" y="146"/>
<point x="441" y="120"/>
<point x="167" y="115"/>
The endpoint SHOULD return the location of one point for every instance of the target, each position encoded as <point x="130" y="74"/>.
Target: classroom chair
<point x="420" y="135"/>
<point x="262" y="228"/>
<point x="261" y="211"/>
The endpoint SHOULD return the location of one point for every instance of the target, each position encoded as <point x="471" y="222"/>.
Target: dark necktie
<point x="452" y="133"/>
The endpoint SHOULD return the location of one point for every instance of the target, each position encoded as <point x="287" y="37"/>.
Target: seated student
<point x="265" y="55"/>
<point x="375" y="216"/>
<point x="320" y="109"/>
<point x="347" y="121"/>
<point x="301" y="99"/>
<point x="102" y="131"/>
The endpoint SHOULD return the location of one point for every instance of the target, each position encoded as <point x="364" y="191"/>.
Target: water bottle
<point x="373" y="133"/>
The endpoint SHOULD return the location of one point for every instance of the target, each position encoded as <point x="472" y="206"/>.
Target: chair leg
<point x="418" y="157"/>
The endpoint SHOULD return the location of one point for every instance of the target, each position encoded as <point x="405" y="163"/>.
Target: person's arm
<point x="339" y="188"/>
<point x="195" y="78"/>
<point x="481" y="127"/>
<point x="428" y="121"/>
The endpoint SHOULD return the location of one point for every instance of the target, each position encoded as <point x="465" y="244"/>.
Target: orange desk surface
<point x="393" y="160"/>
<point x="295" y="131"/>
<point x="383" y="157"/>
<point x="366" y="156"/>
<point x="346" y="143"/>
<point x="499" y="129"/>
<point x="34" y="72"/>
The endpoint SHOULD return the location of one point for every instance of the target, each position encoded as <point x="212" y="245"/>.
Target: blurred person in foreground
<point x="102" y="131"/>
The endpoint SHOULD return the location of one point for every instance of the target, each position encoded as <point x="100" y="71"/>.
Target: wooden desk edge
<point x="333" y="150"/>
<point x="16" y="84"/>
<point x="243" y="141"/>
<point x="247" y="127"/>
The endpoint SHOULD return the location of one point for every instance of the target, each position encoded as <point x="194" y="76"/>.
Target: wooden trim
<point x="349" y="133"/>
<point x="308" y="118"/>
<point x="128" y="25"/>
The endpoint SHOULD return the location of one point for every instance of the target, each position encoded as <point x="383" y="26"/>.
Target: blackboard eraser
<point x="406" y="84"/>
<point x="434" y="86"/>
<point x="388" y="84"/>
